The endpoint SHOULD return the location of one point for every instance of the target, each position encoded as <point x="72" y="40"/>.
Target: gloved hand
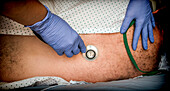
<point x="141" y="12"/>
<point x="59" y="35"/>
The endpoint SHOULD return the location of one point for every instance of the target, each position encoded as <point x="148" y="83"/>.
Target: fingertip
<point x="134" y="48"/>
<point x="83" y="50"/>
<point x="153" y="24"/>
<point x="122" y="30"/>
<point x="60" y="53"/>
<point x="69" y="54"/>
<point x="145" y="47"/>
<point x="152" y="40"/>
<point x="134" y="45"/>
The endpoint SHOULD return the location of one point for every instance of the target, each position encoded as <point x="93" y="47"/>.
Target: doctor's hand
<point x="59" y="35"/>
<point x="141" y="12"/>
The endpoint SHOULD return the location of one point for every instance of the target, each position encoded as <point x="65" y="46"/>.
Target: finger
<point x="150" y="30"/>
<point x="145" y="37"/>
<point x="138" y="27"/>
<point x="152" y="20"/>
<point x="82" y="46"/>
<point x="76" y="51"/>
<point x="125" y="24"/>
<point x="69" y="54"/>
<point x="59" y="52"/>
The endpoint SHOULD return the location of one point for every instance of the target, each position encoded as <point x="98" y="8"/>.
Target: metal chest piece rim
<point x="91" y="53"/>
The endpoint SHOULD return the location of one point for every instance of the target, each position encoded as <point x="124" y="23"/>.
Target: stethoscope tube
<point x="130" y="54"/>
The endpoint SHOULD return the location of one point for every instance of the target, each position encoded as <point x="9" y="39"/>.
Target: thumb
<point x="125" y="24"/>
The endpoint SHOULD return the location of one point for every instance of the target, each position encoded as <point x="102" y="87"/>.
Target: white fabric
<point x="90" y="16"/>
<point x="84" y="16"/>
<point x="38" y="81"/>
<point x="8" y="26"/>
<point x="32" y="81"/>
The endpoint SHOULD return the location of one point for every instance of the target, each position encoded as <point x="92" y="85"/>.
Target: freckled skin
<point x="35" y="58"/>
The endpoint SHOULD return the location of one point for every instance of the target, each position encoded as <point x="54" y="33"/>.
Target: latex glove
<point x="59" y="35"/>
<point x="141" y="12"/>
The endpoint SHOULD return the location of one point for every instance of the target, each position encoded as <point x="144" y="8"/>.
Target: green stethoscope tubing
<point x="131" y="57"/>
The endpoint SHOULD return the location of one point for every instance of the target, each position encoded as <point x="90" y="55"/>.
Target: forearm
<point x="26" y="12"/>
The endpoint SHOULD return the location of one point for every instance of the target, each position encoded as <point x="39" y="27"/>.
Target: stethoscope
<point x="92" y="53"/>
<point x="131" y="56"/>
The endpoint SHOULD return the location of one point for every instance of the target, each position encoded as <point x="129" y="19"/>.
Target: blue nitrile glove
<point x="141" y="12"/>
<point x="59" y="35"/>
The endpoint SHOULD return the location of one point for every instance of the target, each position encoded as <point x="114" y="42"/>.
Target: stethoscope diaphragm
<point x="91" y="53"/>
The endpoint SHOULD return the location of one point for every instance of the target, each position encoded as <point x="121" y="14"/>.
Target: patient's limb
<point x="26" y="56"/>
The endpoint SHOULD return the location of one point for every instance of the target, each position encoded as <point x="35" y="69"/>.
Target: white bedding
<point x="84" y="16"/>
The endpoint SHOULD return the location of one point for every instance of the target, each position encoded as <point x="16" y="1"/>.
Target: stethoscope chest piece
<point x="91" y="53"/>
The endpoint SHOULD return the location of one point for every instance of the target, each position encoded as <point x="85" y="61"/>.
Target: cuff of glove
<point x="42" y="21"/>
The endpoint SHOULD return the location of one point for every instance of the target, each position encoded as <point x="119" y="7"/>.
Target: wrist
<point x="36" y="25"/>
